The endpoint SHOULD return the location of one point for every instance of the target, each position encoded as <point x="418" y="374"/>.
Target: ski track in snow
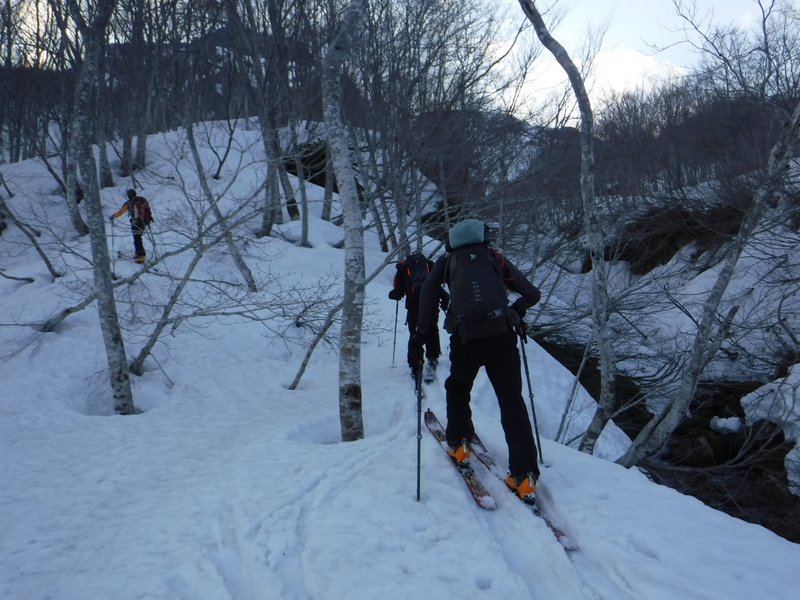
<point x="260" y="557"/>
<point x="318" y="491"/>
<point x="289" y="534"/>
<point x="530" y="549"/>
<point x="234" y="558"/>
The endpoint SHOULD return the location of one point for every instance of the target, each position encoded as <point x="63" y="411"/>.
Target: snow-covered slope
<point x="229" y="485"/>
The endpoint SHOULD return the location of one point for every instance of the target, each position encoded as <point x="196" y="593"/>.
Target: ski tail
<point x="480" y="451"/>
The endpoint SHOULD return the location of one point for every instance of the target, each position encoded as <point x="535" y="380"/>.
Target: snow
<point x="229" y="485"/>
<point x="726" y="424"/>
<point x="778" y="402"/>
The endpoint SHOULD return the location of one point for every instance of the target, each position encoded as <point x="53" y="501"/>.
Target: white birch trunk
<point x="272" y="196"/>
<point x="145" y="95"/>
<point x="327" y="202"/>
<point x="706" y="343"/>
<point x="371" y="199"/>
<point x="71" y="169"/>
<point x="271" y="201"/>
<point x="106" y="177"/>
<point x="388" y="239"/>
<point x="594" y="234"/>
<point x="82" y="146"/>
<point x="350" y="415"/>
<point x="301" y="183"/>
<point x="126" y="160"/>
<point x="141" y="146"/>
<point x="70" y="182"/>
<point x="288" y="190"/>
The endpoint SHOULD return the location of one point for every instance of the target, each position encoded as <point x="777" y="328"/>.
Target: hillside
<point x="229" y="485"/>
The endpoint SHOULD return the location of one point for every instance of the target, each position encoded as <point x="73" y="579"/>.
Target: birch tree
<point x="93" y="33"/>
<point x="350" y="400"/>
<point x="592" y="227"/>
<point x="68" y="56"/>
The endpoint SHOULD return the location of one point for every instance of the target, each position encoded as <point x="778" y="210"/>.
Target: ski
<point x="479" y="493"/>
<point x="480" y="451"/>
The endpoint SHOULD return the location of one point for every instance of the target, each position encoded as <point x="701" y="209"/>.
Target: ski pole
<point x="523" y="341"/>
<point x="394" y="343"/>
<point x="418" y="384"/>
<point x="113" y="250"/>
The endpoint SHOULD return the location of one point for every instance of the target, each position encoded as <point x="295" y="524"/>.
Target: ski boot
<point x="523" y="486"/>
<point x="460" y="455"/>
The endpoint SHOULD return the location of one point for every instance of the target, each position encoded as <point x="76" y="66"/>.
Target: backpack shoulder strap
<point x="446" y="272"/>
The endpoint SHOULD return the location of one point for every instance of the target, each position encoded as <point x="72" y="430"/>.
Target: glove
<point x="111" y="219"/>
<point x="522" y="329"/>
<point x="444" y="303"/>
<point x="519" y="307"/>
<point x="395" y="295"/>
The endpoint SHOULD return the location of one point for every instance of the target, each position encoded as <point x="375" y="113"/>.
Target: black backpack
<point x="417" y="269"/>
<point x="478" y="295"/>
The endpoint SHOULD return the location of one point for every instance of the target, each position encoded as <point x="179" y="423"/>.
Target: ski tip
<point x="567" y="543"/>
<point x="488" y="503"/>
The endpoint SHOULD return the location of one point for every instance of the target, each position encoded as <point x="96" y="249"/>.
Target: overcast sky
<point x="627" y="58"/>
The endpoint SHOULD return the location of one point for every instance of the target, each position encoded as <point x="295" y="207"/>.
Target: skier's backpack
<point x="417" y="269"/>
<point x="141" y="210"/>
<point x="478" y="295"/>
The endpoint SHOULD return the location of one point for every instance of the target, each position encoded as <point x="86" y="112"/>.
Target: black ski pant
<point x="137" y="229"/>
<point x="500" y="357"/>
<point x="432" y="348"/>
<point x="138" y="246"/>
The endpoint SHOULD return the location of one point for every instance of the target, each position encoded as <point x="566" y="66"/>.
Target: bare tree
<point x="350" y="400"/>
<point x="93" y="32"/>
<point x="593" y="230"/>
